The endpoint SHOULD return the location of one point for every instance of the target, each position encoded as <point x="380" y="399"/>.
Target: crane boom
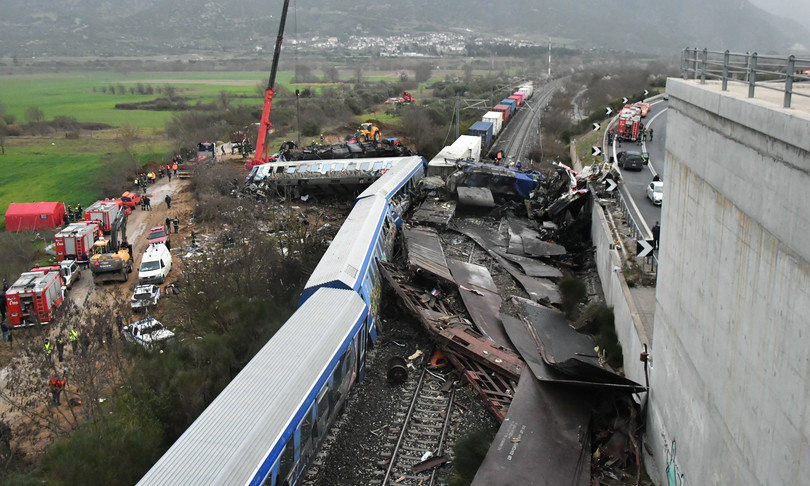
<point x="261" y="155"/>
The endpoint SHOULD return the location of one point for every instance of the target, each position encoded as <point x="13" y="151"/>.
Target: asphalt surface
<point x="634" y="183"/>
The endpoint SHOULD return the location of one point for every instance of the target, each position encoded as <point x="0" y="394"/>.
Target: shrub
<point x="572" y="291"/>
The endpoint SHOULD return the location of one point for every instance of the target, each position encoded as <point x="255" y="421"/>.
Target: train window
<point x="365" y="165"/>
<point x="323" y="410"/>
<point x="302" y="168"/>
<point x="338" y="167"/>
<point x="291" y="170"/>
<point x="306" y="426"/>
<point x="352" y="166"/>
<point x="286" y="462"/>
<point x="378" y="165"/>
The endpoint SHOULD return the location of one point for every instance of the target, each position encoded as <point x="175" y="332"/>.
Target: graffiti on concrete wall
<point x="674" y="475"/>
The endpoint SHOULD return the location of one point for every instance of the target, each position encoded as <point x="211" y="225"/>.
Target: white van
<point x="155" y="264"/>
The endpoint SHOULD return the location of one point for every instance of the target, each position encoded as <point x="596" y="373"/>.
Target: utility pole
<point x="298" y="115"/>
<point x="549" y="59"/>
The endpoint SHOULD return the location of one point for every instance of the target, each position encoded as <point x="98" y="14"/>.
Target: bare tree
<point x="422" y="72"/>
<point x="126" y="138"/>
<point x="170" y="92"/>
<point x="224" y="99"/>
<point x="418" y="127"/>
<point x="34" y="114"/>
<point x="331" y="74"/>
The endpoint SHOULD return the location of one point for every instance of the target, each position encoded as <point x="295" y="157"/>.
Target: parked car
<point x="145" y="296"/>
<point x="148" y="332"/>
<point x="655" y="192"/>
<point x="159" y="234"/>
<point x="155" y="264"/>
<point x="130" y="199"/>
<point x="631" y="160"/>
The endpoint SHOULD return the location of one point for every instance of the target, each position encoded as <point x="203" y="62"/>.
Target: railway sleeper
<point x="420" y="445"/>
<point x="397" y="479"/>
<point x="429" y="433"/>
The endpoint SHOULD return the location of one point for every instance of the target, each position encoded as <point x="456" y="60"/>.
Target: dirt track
<point x="24" y="397"/>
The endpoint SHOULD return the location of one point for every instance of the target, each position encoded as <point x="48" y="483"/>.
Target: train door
<point x="361" y="352"/>
<point x="305" y="443"/>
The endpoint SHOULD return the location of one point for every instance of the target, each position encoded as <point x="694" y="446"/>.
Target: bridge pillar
<point x="730" y="376"/>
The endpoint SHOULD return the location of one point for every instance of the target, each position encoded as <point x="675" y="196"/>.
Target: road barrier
<point x="768" y="72"/>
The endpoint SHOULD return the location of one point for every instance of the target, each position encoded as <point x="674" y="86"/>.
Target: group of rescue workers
<point x="73" y="214"/>
<point x="146" y="178"/>
<point x="104" y="335"/>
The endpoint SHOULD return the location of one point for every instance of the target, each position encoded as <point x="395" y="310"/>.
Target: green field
<point x="55" y="168"/>
<point x="79" y="94"/>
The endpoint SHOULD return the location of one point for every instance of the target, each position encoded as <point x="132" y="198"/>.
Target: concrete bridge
<point x="729" y="398"/>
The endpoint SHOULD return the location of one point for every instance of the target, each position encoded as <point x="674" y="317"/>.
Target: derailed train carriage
<point x="267" y="424"/>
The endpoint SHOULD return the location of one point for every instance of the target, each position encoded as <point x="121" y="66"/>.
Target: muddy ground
<point x="25" y="402"/>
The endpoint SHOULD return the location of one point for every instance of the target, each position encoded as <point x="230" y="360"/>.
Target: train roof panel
<point x="234" y="436"/>
<point x="347" y="258"/>
<point x="395" y="177"/>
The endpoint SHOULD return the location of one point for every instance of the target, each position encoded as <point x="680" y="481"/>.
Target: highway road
<point x="634" y="183"/>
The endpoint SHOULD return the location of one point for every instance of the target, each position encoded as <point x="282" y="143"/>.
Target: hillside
<point x="101" y="28"/>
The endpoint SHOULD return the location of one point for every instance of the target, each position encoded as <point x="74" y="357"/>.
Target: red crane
<point x="261" y="156"/>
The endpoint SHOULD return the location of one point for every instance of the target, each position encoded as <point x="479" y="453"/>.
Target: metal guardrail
<point x="768" y="72"/>
<point x="637" y="233"/>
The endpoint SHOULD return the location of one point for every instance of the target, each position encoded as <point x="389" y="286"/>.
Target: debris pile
<point x="492" y="304"/>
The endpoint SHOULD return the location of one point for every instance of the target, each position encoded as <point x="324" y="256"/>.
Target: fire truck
<point x="105" y="212"/>
<point x="32" y="298"/>
<point x="629" y="126"/>
<point x="76" y="240"/>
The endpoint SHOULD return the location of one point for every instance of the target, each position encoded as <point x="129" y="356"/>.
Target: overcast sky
<point x="798" y="10"/>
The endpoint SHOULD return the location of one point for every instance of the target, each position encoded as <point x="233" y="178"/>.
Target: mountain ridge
<point x="120" y="28"/>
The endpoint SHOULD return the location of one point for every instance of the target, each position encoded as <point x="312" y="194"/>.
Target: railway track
<point x="423" y="425"/>
<point x="525" y="131"/>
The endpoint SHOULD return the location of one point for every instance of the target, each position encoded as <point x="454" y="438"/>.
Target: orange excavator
<point x="261" y="156"/>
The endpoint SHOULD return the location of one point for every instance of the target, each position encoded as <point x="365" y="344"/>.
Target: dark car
<point x="631" y="160"/>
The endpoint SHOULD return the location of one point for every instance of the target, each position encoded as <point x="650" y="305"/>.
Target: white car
<point x="655" y="192"/>
<point x="148" y="332"/>
<point x="145" y="296"/>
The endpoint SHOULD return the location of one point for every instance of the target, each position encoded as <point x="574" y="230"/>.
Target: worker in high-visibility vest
<point x="73" y="337"/>
<point x="48" y="347"/>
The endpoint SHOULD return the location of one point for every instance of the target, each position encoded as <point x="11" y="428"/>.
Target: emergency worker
<point x="55" y="385"/>
<point x="73" y="337"/>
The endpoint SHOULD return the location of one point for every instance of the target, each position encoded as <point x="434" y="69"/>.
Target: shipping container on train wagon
<point x="32" y="298"/>
<point x="496" y="118"/>
<point x="512" y="104"/>
<point x="76" y="239"/>
<point x="483" y="130"/>
<point x="519" y="97"/>
<point x="104" y="212"/>
<point x="527" y="90"/>
<point x="503" y="109"/>
<point x="466" y="148"/>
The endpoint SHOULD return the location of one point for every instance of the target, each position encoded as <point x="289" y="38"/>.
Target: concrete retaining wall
<point x="730" y="389"/>
<point x="617" y="295"/>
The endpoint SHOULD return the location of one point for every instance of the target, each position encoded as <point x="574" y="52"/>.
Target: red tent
<point x="34" y="216"/>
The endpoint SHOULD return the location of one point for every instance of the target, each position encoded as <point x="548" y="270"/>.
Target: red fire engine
<point x="629" y="126"/>
<point x="75" y="240"/>
<point x="32" y="298"/>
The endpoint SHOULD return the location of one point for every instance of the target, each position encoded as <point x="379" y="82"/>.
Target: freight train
<point x="266" y="425"/>
<point x="493" y="121"/>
